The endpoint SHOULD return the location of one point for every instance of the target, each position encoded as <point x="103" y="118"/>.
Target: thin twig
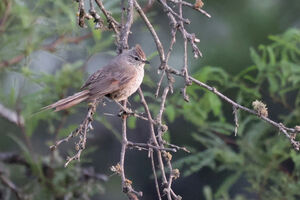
<point x="153" y="138"/>
<point x="110" y="20"/>
<point x="280" y="126"/>
<point x="169" y="9"/>
<point x="97" y="19"/>
<point x="149" y="146"/>
<point x="236" y="120"/>
<point x="155" y="175"/>
<point x="159" y="46"/>
<point x="192" y="6"/>
<point x="123" y="43"/>
<point x="82" y="131"/>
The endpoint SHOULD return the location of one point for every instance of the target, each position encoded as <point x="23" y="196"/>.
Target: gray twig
<point x="123" y="42"/>
<point x="112" y="23"/>
<point x="236" y="120"/>
<point x="192" y="6"/>
<point x="82" y="131"/>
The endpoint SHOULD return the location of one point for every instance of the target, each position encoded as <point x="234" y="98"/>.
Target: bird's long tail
<point x="69" y="101"/>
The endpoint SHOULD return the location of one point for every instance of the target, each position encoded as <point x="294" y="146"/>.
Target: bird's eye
<point x="136" y="58"/>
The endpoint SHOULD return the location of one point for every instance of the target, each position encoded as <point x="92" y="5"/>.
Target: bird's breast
<point x="130" y="88"/>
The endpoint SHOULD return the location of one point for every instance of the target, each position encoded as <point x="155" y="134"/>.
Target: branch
<point x="81" y="131"/>
<point x="159" y="46"/>
<point x="123" y="42"/>
<point x="198" y="8"/>
<point x="288" y="132"/>
<point x="168" y="9"/>
<point x="126" y="183"/>
<point x="236" y="120"/>
<point x="154" y="141"/>
<point x="112" y="23"/>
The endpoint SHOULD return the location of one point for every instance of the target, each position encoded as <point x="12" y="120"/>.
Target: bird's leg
<point x="124" y="110"/>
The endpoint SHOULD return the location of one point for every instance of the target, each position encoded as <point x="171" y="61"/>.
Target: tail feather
<point x="69" y="101"/>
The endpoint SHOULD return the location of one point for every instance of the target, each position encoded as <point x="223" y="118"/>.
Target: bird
<point x="117" y="80"/>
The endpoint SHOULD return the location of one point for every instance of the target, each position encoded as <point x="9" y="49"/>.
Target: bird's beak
<point x="146" y="61"/>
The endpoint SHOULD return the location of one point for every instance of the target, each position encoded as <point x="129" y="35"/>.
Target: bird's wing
<point x="109" y="79"/>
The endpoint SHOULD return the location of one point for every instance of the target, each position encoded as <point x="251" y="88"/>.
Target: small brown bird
<point x="119" y="79"/>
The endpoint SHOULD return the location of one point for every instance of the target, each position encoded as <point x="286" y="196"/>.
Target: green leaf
<point x="131" y="122"/>
<point x="64" y="132"/>
<point x="272" y="57"/>
<point x="215" y="103"/>
<point x="273" y="83"/>
<point x="256" y="59"/>
<point x="170" y="112"/>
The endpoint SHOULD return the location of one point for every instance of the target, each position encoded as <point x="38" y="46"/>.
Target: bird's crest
<point x="140" y="52"/>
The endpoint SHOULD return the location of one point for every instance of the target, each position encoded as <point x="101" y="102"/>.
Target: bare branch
<point x="110" y="20"/>
<point x="152" y="31"/>
<point x="123" y="43"/>
<point x="192" y="6"/>
<point x="288" y="132"/>
<point x="236" y="120"/>
<point x="149" y="146"/>
<point x="97" y="19"/>
<point x="155" y="176"/>
<point x="168" y="9"/>
<point x="82" y="131"/>
<point x="153" y="137"/>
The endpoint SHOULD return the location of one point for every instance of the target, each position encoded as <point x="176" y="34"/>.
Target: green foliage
<point x="30" y="29"/>
<point x="258" y="154"/>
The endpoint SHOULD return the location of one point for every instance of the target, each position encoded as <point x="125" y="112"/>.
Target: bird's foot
<point x="124" y="110"/>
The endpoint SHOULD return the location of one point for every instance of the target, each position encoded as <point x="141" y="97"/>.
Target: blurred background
<point x="251" y="50"/>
